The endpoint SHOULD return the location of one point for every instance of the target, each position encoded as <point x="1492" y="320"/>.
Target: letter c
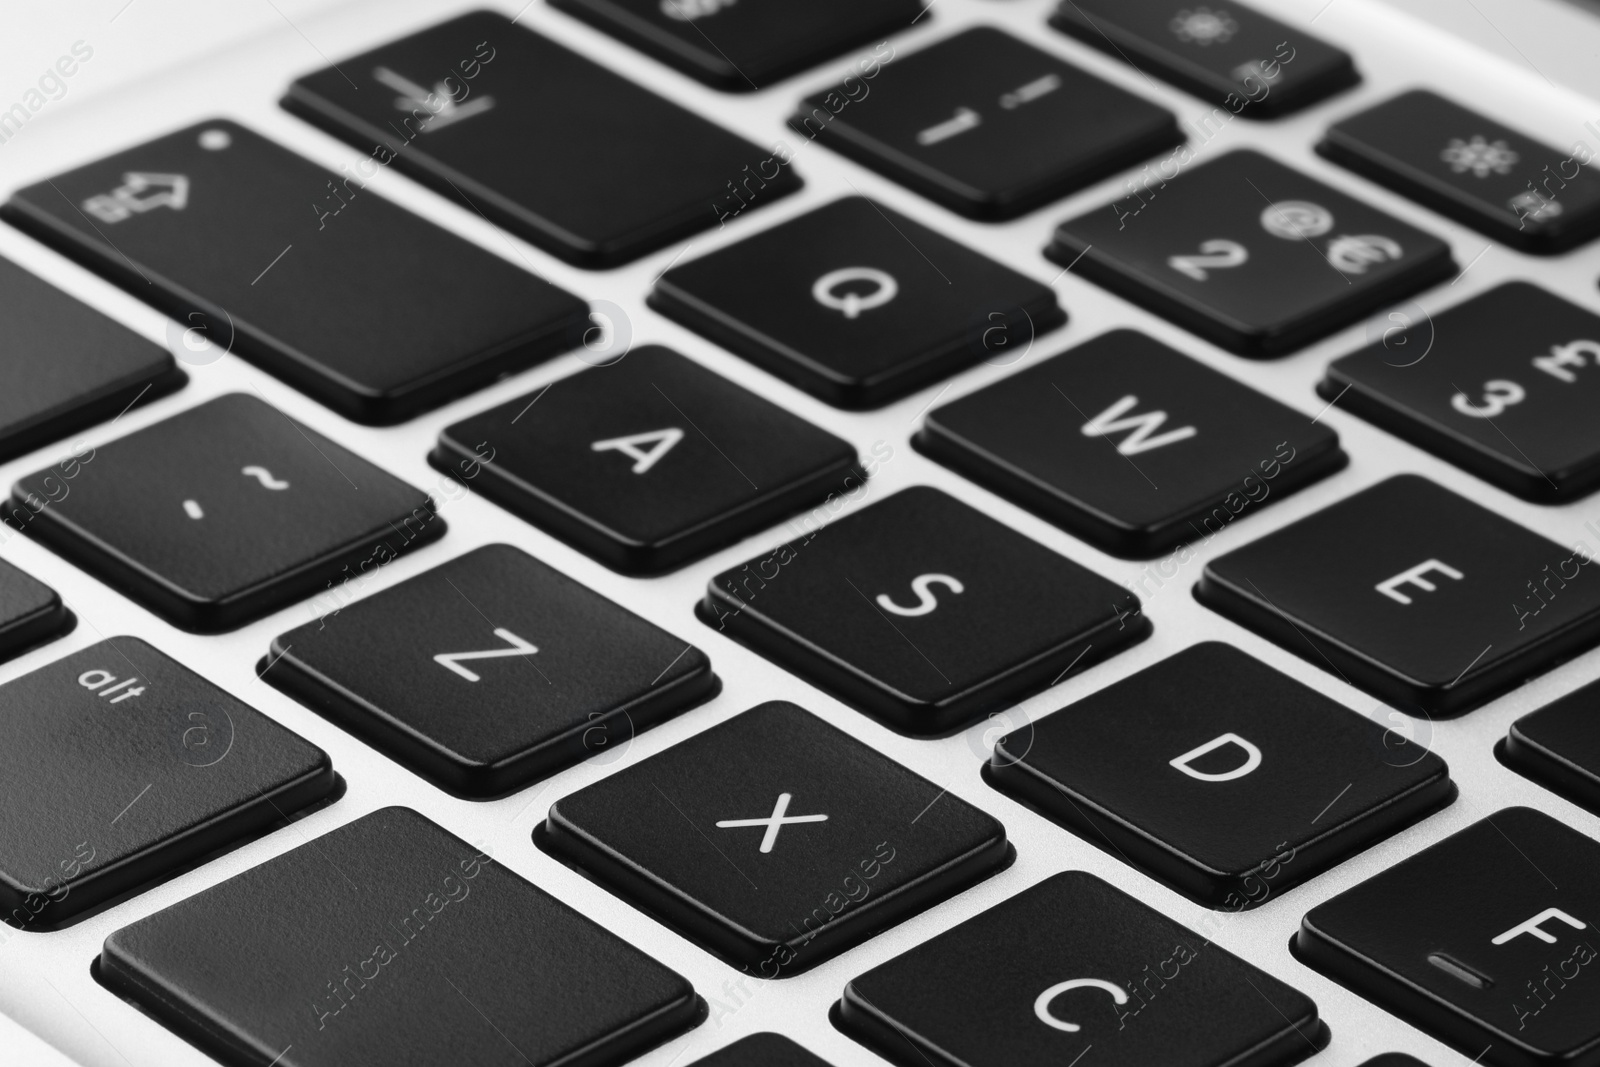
<point x="1041" y="1006"/>
<point x="1251" y="762"/>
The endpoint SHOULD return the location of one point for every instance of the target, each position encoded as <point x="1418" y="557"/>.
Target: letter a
<point x="660" y="442"/>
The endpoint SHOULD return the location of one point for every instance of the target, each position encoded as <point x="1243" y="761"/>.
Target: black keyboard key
<point x="748" y="46"/>
<point x="540" y="140"/>
<point x="1394" y="1059"/>
<point x="223" y="513"/>
<point x="1220" y="776"/>
<point x="1505" y="385"/>
<point x="1471" y="168"/>
<point x="31" y="613"/>
<point x="1069" y="965"/>
<point x="1235" y="56"/>
<point x="121" y="766"/>
<point x="1250" y="254"/>
<point x="761" y="1050"/>
<point x="1158" y="448"/>
<point x="857" y="304"/>
<point x="387" y="941"/>
<point x="648" y="463"/>
<point x="1559" y="746"/>
<point x="987" y="125"/>
<point x="923" y="612"/>
<point x="66" y="366"/>
<point x="1485" y="941"/>
<point x="802" y="843"/>
<point x="1422" y="597"/>
<point x="371" y="310"/>
<point x="489" y="672"/>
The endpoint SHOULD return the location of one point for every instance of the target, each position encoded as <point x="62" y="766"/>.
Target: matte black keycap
<point x="1232" y="55"/>
<point x="1472" y="169"/>
<point x="65" y="366"/>
<point x="762" y="1050"/>
<point x="31" y="613"/>
<point x="121" y="766"/>
<point x="922" y="611"/>
<point x="1068" y="965"/>
<point x="368" y="308"/>
<point x="489" y="672"/>
<point x="1505" y="385"/>
<point x="745" y="46"/>
<point x="387" y="941"/>
<point x="647" y="463"/>
<point x="1130" y="445"/>
<point x="1220" y="776"/>
<point x="1485" y="940"/>
<point x="857" y="304"/>
<point x="1251" y="255"/>
<point x="987" y="125"/>
<point x="223" y="513"/>
<point x="1559" y="745"/>
<point x="774" y="840"/>
<point x="557" y="149"/>
<point x="1419" y="596"/>
<point x="1394" y="1059"/>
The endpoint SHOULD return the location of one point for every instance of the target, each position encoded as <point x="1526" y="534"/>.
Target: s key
<point x="357" y="302"/>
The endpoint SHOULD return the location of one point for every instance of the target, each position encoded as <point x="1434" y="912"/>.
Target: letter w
<point x="452" y="660"/>
<point x="1111" y="421"/>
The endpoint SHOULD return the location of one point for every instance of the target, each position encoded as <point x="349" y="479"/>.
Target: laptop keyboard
<point x="625" y="557"/>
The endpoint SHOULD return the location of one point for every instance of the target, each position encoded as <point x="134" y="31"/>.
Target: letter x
<point x="775" y="822"/>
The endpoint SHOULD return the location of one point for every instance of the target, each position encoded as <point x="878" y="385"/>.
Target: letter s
<point x="926" y="601"/>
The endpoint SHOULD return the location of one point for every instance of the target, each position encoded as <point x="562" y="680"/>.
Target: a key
<point x="1505" y="385"/>
<point x="540" y="140"/>
<point x="223" y="513"/>
<point x="761" y="1050"/>
<point x="986" y="124"/>
<point x="1250" y="254"/>
<point x="121" y="767"/>
<point x="648" y="463"/>
<point x="1394" y="1059"/>
<point x="1225" y="779"/>
<point x="66" y="366"/>
<point x="1131" y="445"/>
<point x="1423" y="598"/>
<point x="1473" y="169"/>
<point x="389" y="940"/>
<point x="371" y="310"/>
<point x="857" y="304"/>
<point x="741" y="47"/>
<point x="31" y="613"/>
<point x="774" y="840"/>
<point x="1234" y="56"/>
<point x="922" y="611"/>
<point x="1073" y="964"/>
<point x="1485" y="940"/>
<point x="1559" y="746"/>
<point x="489" y="672"/>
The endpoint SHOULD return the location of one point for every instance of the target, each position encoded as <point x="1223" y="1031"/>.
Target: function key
<point x="647" y="463"/>
<point x="1251" y="255"/>
<point x="743" y="47"/>
<point x="1472" y="169"/>
<point x="923" y="612"/>
<point x="386" y="941"/>
<point x="364" y="306"/>
<point x="1235" y="56"/>
<point x="774" y="840"/>
<point x="857" y="304"/>
<point x="223" y="513"/>
<point x="489" y="672"/>
<point x="31" y="613"/>
<point x="121" y="767"/>
<point x="987" y="125"/>
<point x="540" y="140"/>
<point x="1160" y="449"/>
<point x="1559" y="745"/>
<point x="1069" y="965"/>
<point x="66" y="366"/>
<point x="1485" y="941"/>
<point x="1420" y="596"/>
<point x="1505" y="385"/>
<point x="1220" y="776"/>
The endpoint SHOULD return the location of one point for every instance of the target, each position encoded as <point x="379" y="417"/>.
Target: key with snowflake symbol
<point x="1227" y="53"/>
<point x="1473" y="169"/>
